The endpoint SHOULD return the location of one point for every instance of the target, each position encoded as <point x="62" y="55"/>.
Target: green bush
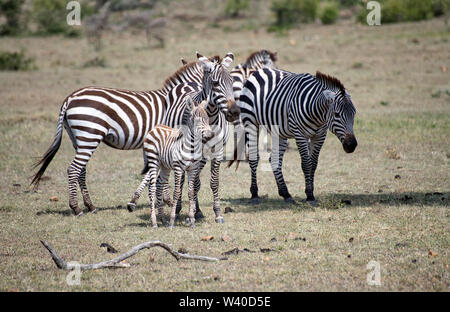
<point x="330" y="13"/>
<point x="15" y="61"/>
<point x="394" y="11"/>
<point x="11" y="10"/>
<point x="50" y="16"/>
<point x="233" y="7"/>
<point x="290" y="12"/>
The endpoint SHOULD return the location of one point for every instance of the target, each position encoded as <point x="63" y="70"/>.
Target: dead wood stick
<point x="117" y="262"/>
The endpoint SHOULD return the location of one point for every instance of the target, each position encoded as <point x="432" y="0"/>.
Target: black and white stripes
<point x="299" y="106"/>
<point x="180" y="150"/>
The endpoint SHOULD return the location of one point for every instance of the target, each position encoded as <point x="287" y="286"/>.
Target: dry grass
<point x="395" y="221"/>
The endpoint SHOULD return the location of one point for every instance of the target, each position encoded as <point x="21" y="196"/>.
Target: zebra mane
<point x="177" y="77"/>
<point x="261" y="53"/>
<point x="330" y="81"/>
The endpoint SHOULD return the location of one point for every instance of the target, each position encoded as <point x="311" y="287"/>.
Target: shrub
<point x="15" y="61"/>
<point x="50" y="16"/>
<point x="233" y="7"/>
<point x="11" y="10"/>
<point x="393" y="11"/>
<point x="290" y="12"/>
<point x="330" y="13"/>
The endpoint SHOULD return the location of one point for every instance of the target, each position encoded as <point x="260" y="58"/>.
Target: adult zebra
<point x="299" y="106"/>
<point x="121" y="119"/>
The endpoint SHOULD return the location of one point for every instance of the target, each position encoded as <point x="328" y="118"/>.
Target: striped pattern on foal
<point x="299" y="106"/>
<point x="121" y="119"/>
<point x="180" y="150"/>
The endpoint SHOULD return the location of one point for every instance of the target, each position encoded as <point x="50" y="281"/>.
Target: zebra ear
<point x="329" y="96"/>
<point x="227" y="60"/>
<point x="183" y="61"/>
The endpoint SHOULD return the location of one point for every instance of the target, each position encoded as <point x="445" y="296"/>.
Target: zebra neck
<point x="190" y="146"/>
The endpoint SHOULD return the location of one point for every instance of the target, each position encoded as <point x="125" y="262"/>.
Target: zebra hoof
<point x="93" y="211"/>
<point x="220" y="220"/>
<point x="155" y="226"/>
<point x="289" y="200"/>
<point x="312" y="203"/>
<point x="199" y="215"/>
<point x="256" y="200"/>
<point x="80" y="214"/>
<point x="131" y="207"/>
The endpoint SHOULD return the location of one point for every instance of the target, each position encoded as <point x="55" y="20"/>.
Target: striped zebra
<point x="299" y="106"/>
<point x="122" y="118"/>
<point x="256" y="60"/>
<point x="219" y="123"/>
<point x="177" y="149"/>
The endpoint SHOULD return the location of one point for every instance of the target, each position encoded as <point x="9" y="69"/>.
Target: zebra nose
<point x="349" y="144"/>
<point x="233" y="111"/>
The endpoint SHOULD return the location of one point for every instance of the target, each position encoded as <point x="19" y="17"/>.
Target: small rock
<point x="266" y="258"/>
<point x="226" y="238"/>
<point x="273" y="239"/>
<point x="182" y="250"/>
<point x="414" y="260"/>
<point x="207" y="238"/>
<point x="228" y="210"/>
<point x="349" y="256"/>
<point x="54" y="198"/>
<point x="17" y="184"/>
<point x="109" y="248"/>
<point x="397" y="176"/>
<point x="350" y="240"/>
<point x="431" y="253"/>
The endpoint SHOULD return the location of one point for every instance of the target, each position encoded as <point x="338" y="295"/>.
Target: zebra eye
<point x="336" y="115"/>
<point x="215" y="83"/>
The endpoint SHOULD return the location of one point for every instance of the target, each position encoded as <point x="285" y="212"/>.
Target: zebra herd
<point x="187" y="122"/>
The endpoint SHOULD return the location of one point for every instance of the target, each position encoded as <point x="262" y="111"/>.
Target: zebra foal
<point x="180" y="150"/>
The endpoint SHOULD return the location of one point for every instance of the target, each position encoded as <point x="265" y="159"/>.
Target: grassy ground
<point x="398" y="78"/>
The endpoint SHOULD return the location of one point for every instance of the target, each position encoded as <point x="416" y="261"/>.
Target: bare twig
<point x="117" y="262"/>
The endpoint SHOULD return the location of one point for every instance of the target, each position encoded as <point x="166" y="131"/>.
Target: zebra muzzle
<point x="349" y="144"/>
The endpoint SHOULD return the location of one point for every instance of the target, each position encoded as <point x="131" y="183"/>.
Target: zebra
<point x="177" y="149"/>
<point x="256" y="60"/>
<point x="219" y="123"/>
<point x="121" y="119"/>
<point x="300" y="106"/>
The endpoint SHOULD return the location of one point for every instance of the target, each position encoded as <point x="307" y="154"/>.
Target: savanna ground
<point x="399" y="82"/>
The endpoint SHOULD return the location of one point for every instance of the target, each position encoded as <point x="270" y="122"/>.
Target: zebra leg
<point x="253" y="158"/>
<point x="178" y="174"/>
<point x="315" y="146"/>
<point x="84" y="191"/>
<point x="214" y="184"/>
<point x="161" y="191"/>
<point x="179" y="200"/>
<point x="73" y="173"/>
<point x="198" y="214"/>
<point x="303" y="148"/>
<point x="152" y="196"/>
<point x="150" y="176"/>
<point x="191" y="192"/>
<point x="276" y="161"/>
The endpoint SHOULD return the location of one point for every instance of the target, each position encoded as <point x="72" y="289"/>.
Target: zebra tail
<point x="50" y="153"/>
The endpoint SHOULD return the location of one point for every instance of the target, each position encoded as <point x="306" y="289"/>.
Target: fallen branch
<point x="117" y="262"/>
